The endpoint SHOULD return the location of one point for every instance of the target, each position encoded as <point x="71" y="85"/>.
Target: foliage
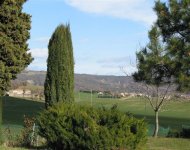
<point x="70" y="126"/>
<point x="59" y="83"/>
<point x="14" y="33"/>
<point x="25" y="139"/>
<point x="153" y="63"/>
<point x="170" y="116"/>
<point x="173" y="21"/>
<point x="154" y="68"/>
<point x="183" y="133"/>
<point x="10" y="139"/>
<point x="173" y="133"/>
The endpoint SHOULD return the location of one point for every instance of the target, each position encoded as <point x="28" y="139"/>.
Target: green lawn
<point x="167" y="144"/>
<point x="152" y="144"/>
<point x="14" y="110"/>
<point x="174" y="115"/>
<point x="10" y="148"/>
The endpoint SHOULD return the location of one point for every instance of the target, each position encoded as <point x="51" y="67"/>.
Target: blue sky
<point x="105" y="33"/>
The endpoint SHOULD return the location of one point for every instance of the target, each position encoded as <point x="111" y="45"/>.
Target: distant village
<point x="39" y="94"/>
<point x="26" y="94"/>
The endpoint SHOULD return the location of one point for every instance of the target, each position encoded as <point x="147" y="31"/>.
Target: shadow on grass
<point x="166" y="122"/>
<point x="14" y="109"/>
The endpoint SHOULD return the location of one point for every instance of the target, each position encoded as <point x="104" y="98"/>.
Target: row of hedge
<point x="70" y="126"/>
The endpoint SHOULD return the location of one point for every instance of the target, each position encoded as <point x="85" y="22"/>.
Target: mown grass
<point x="152" y="144"/>
<point x="11" y="148"/>
<point x="174" y="114"/>
<point x="168" y="144"/>
<point x="14" y="110"/>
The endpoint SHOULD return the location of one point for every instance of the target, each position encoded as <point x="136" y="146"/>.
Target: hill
<point x="85" y="81"/>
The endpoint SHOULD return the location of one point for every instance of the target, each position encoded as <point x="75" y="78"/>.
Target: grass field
<point x="167" y="144"/>
<point x="14" y="110"/>
<point x="174" y="115"/>
<point x="152" y="144"/>
<point x="10" y="148"/>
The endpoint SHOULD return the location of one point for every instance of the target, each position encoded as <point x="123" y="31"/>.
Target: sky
<point x="106" y="34"/>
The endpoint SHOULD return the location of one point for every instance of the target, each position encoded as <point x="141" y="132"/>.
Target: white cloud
<point x="40" y="56"/>
<point x="128" y="69"/>
<point x="39" y="53"/>
<point x="114" y="60"/>
<point x="93" y="68"/>
<point x="136" y="10"/>
<point x="42" y="39"/>
<point x="110" y="66"/>
<point x="38" y="64"/>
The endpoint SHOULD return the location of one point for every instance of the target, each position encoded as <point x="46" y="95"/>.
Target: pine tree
<point x="154" y="71"/>
<point x="174" y="23"/>
<point x="14" y="33"/>
<point x="59" y="83"/>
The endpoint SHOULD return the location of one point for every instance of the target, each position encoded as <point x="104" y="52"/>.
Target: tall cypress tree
<point x="59" y="83"/>
<point x="14" y="33"/>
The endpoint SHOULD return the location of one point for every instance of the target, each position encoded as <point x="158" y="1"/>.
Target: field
<point x="167" y="144"/>
<point x="174" y="114"/>
<point x="152" y="144"/>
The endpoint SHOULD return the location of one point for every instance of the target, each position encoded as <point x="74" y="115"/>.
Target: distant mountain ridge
<point x="86" y="81"/>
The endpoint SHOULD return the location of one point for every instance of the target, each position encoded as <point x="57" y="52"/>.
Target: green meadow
<point x="174" y="114"/>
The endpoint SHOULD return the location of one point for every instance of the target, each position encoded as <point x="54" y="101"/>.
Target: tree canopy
<point x="174" y="24"/>
<point x="154" y="68"/>
<point x="166" y="59"/>
<point x="59" y="83"/>
<point x="153" y="62"/>
<point x="14" y="33"/>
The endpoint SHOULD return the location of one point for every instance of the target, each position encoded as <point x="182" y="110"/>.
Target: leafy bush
<point x="69" y="126"/>
<point x="1" y="136"/>
<point x="25" y="138"/>
<point x="184" y="133"/>
<point x="173" y="133"/>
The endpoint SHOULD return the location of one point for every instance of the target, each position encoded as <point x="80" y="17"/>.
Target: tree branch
<point x="150" y="99"/>
<point x="163" y="98"/>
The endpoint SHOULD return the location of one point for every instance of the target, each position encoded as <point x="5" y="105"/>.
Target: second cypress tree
<point x="59" y="83"/>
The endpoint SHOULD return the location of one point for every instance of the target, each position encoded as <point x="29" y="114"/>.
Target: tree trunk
<point x="156" y="125"/>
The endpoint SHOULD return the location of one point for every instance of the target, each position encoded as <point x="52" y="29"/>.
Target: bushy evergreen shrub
<point x="183" y="133"/>
<point x="70" y="126"/>
<point x="173" y="133"/>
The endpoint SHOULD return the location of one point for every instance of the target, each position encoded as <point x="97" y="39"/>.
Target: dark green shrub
<point x="69" y="126"/>
<point x="126" y="131"/>
<point x="183" y="133"/>
<point x="173" y="133"/>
